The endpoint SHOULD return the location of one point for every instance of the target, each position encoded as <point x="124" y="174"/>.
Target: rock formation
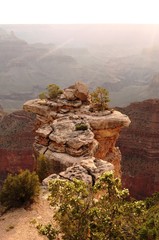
<point x="88" y="170"/>
<point x="16" y="139"/>
<point x="140" y="148"/>
<point x="68" y="133"/>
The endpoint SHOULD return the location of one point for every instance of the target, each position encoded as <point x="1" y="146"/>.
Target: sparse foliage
<point x="52" y="92"/>
<point x="150" y="227"/>
<point x="100" y="212"/>
<point x="81" y="126"/>
<point x="47" y="230"/>
<point x="19" y="189"/>
<point x="43" y="167"/>
<point x="42" y="95"/>
<point x="100" y="98"/>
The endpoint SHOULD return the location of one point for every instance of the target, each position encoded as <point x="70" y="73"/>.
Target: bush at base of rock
<point x="19" y="189"/>
<point x="100" y="212"/>
<point x="43" y="167"/>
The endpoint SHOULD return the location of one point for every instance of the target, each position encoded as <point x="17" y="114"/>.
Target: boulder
<point x="78" y="172"/>
<point x="87" y="170"/>
<point x="44" y="131"/>
<point x="70" y="94"/>
<point x="96" y="167"/>
<point x="66" y="138"/>
<point x="81" y="91"/>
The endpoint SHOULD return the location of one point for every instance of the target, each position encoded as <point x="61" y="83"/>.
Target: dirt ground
<point x="19" y="224"/>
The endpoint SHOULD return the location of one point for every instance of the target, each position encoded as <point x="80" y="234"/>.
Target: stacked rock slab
<point x="68" y="133"/>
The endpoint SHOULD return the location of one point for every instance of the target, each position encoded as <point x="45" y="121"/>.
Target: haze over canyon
<point x="122" y="58"/>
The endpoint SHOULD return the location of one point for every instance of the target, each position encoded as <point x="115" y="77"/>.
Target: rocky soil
<point x="20" y="224"/>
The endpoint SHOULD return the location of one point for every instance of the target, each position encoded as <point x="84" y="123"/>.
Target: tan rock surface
<point x="81" y="91"/>
<point x="87" y="170"/>
<point x="65" y="145"/>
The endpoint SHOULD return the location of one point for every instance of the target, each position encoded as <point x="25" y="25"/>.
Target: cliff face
<point x="68" y="132"/>
<point x="1" y="113"/>
<point x="16" y="139"/>
<point x="140" y="148"/>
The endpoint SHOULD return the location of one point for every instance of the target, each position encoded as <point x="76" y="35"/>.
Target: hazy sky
<point x="78" y="11"/>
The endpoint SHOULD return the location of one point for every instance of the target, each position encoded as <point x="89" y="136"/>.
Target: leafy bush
<point x="100" y="98"/>
<point x="47" y="230"/>
<point x="19" y="189"/>
<point x="97" y="213"/>
<point x="43" y="167"/>
<point x="42" y="96"/>
<point x="53" y="91"/>
<point x="150" y="227"/>
<point x="81" y="126"/>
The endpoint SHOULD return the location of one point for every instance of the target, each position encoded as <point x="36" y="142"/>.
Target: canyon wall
<point x="16" y="140"/>
<point x="139" y="145"/>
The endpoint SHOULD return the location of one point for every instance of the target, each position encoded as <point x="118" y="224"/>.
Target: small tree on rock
<point x="100" y="98"/>
<point x="53" y="91"/>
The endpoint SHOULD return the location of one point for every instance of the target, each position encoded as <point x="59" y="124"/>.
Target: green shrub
<point x="42" y="96"/>
<point x="48" y="231"/>
<point x="100" y="98"/>
<point x="19" y="189"/>
<point x="152" y="201"/>
<point x="43" y="167"/>
<point x="98" y="213"/>
<point x="53" y="91"/>
<point x="81" y="126"/>
<point x="150" y="227"/>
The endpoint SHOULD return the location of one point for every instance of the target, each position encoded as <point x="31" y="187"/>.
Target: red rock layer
<point x="16" y="139"/>
<point x="107" y="150"/>
<point x="139" y="145"/>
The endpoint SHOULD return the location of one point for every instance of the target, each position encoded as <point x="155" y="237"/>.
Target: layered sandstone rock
<point x="89" y="170"/>
<point x="139" y="146"/>
<point x="16" y="139"/>
<point x="68" y="132"/>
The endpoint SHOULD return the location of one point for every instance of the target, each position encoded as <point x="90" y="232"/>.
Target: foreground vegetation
<point x="102" y="212"/>
<point x="19" y="189"/>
